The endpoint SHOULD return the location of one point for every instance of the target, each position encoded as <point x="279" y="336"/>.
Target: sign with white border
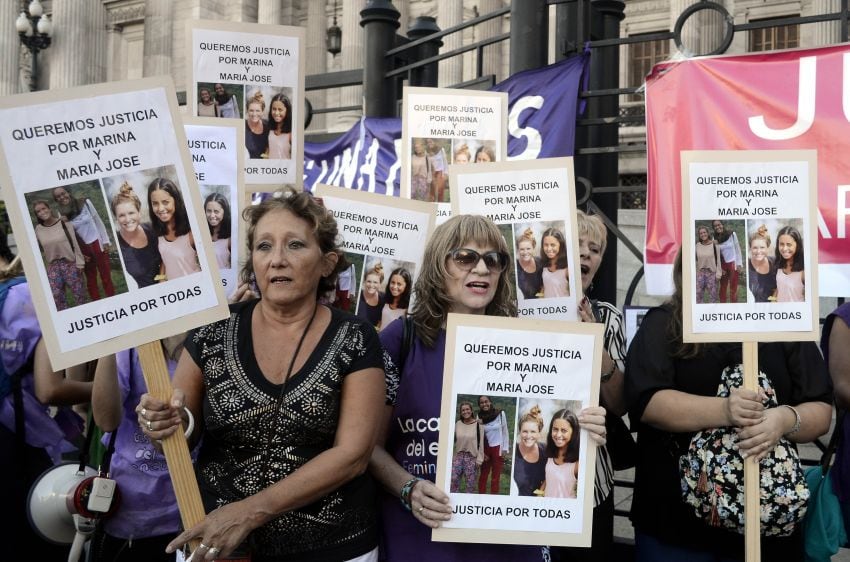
<point x="384" y="240"/>
<point x="443" y="126"/>
<point x="217" y="157"/>
<point x="253" y="72"/>
<point x="547" y="368"/>
<point x="107" y="148"/>
<point x="533" y="202"/>
<point x="752" y="214"/>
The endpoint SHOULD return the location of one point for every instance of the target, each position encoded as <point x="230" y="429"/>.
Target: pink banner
<point x="775" y="101"/>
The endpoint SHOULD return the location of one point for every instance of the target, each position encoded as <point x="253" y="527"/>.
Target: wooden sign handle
<point x="752" y="511"/>
<point x="174" y="446"/>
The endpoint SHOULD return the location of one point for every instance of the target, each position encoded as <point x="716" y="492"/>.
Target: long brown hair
<point x="675" y="329"/>
<point x="432" y="303"/>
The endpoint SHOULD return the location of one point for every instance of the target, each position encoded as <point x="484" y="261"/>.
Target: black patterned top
<point x="249" y="445"/>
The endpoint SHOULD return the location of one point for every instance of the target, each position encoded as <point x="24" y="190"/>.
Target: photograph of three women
<point x="509" y="446"/>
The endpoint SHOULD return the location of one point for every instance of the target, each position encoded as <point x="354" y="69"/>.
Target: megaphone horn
<point x="51" y="505"/>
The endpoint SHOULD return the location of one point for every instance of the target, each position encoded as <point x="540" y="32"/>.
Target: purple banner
<point x="542" y="108"/>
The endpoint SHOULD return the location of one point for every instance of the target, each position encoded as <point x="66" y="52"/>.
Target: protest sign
<point x="253" y="72"/>
<point x="384" y="242"/>
<point x="217" y="157"/>
<point x="442" y="126"/>
<point x="533" y="202"/>
<point x="750" y="249"/>
<point x="537" y="376"/>
<point x="107" y="224"/>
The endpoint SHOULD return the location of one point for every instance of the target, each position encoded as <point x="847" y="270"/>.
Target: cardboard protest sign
<point x="217" y="157"/>
<point x="750" y="245"/>
<point x="442" y="126"/>
<point x="107" y="221"/>
<point x="533" y="202"/>
<point x="384" y="241"/>
<point x="253" y="72"/>
<point x="536" y="376"/>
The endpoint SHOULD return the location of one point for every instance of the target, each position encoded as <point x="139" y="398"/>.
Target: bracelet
<point x="191" y="423"/>
<point x="406" y="489"/>
<point x="796" y="427"/>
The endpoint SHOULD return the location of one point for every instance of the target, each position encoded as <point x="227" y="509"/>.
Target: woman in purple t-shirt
<point x="465" y="271"/>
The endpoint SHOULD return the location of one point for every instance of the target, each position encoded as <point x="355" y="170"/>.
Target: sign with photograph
<point x="749" y="257"/>
<point x="443" y="126"/>
<point x="253" y="72"/>
<point x="107" y="221"/>
<point x="216" y="149"/>
<point x="632" y="319"/>
<point x="533" y="202"/>
<point x="384" y="241"/>
<point x="528" y="380"/>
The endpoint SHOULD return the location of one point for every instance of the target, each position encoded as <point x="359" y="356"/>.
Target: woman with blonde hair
<point x="469" y="448"/>
<point x="761" y="268"/>
<point x="372" y="300"/>
<point x="138" y="242"/>
<point x="256" y="128"/>
<point x="708" y="266"/>
<point x="529" y="268"/>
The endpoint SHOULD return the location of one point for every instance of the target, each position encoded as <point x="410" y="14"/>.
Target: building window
<point x="642" y="57"/>
<point x="775" y="38"/>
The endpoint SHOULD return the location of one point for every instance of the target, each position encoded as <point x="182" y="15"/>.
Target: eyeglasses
<point x="467" y="259"/>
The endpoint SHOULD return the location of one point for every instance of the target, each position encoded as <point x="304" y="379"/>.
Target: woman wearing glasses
<point x="464" y="270"/>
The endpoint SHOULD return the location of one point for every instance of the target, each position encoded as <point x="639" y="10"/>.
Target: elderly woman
<point x="287" y="394"/>
<point x="464" y="270"/>
<point x="671" y="390"/>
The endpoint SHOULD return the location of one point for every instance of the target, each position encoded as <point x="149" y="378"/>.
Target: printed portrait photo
<point x="385" y="290"/>
<point x="547" y="448"/>
<point x="76" y="244"/>
<point x="155" y="237"/>
<point x="541" y="260"/>
<point x="429" y="169"/>
<point x="720" y="273"/>
<point x="268" y="122"/>
<point x="775" y="264"/>
<point x="216" y="99"/>
<point x="220" y="219"/>
<point x="481" y="460"/>
<point x="344" y="296"/>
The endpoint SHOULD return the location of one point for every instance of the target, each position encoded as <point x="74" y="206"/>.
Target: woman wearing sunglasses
<point x="464" y="271"/>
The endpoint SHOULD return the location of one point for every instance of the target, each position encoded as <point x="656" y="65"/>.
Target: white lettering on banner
<point x="535" y="141"/>
<point x="842" y="210"/>
<point x="805" y="105"/>
<point x="394" y="169"/>
<point x="420" y="425"/>
<point x="370" y="165"/>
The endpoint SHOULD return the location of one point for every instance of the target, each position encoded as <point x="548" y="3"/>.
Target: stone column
<point x="493" y="53"/>
<point x="825" y="32"/>
<point x="10" y="46"/>
<point x="270" y="11"/>
<point x="99" y="40"/>
<point x="690" y="32"/>
<point x="352" y="57"/>
<point x="70" y="52"/>
<point x="450" y="14"/>
<point x="158" y="38"/>
<point x="403" y="7"/>
<point x="317" y="57"/>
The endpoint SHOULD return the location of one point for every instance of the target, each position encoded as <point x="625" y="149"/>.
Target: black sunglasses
<point x="466" y="259"/>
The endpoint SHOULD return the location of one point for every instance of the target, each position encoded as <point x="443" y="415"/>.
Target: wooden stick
<point x="752" y="511"/>
<point x="176" y="450"/>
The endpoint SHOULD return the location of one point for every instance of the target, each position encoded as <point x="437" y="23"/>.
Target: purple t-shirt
<point x="841" y="469"/>
<point x="412" y="441"/>
<point x="148" y="505"/>
<point x="19" y="334"/>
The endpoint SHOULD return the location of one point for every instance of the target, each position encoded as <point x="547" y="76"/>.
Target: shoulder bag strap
<point x="826" y="459"/>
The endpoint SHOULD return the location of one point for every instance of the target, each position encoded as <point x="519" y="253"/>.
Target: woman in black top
<point x="529" y="268"/>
